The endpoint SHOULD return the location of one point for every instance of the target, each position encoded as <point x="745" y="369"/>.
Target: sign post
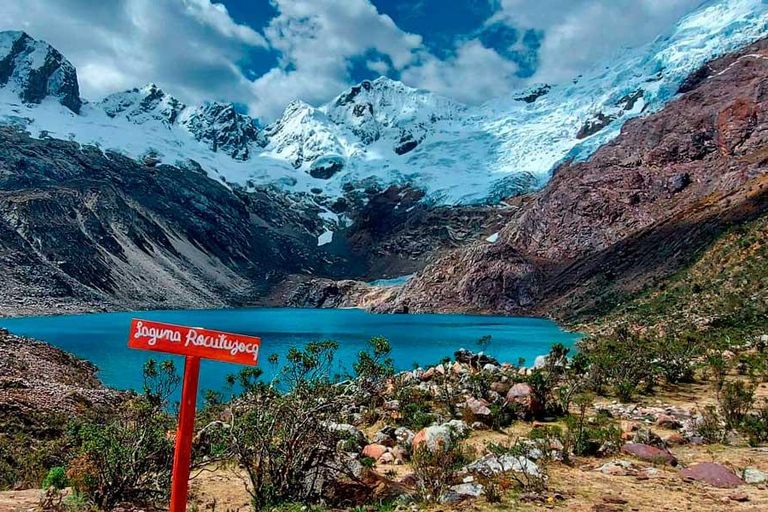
<point x="194" y="343"/>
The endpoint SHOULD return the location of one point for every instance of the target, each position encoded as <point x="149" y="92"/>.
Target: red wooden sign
<point x="194" y="343"/>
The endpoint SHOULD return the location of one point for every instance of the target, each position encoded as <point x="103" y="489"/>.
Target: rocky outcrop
<point x="637" y="211"/>
<point x="222" y="128"/>
<point x="37" y="378"/>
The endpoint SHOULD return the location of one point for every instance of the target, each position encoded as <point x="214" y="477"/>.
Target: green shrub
<point x="56" y="478"/>
<point x="129" y="458"/>
<point x="711" y="428"/>
<point x="736" y="399"/>
<point x="755" y="426"/>
<point x="435" y="469"/>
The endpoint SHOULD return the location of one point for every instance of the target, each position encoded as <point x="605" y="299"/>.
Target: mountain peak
<point x="35" y="70"/>
<point x="140" y="105"/>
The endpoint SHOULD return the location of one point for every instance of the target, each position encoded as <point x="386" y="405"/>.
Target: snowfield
<point x="385" y="132"/>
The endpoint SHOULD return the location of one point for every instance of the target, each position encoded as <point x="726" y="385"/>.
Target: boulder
<point x="404" y="436"/>
<point x="479" y="407"/>
<point x="754" y="476"/>
<point x="668" y="422"/>
<point x="440" y="436"/>
<point x="461" y="492"/>
<point x="649" y="453"/>
<point x="492" y="464"/>
<point x="500" y="387"/>
<point x="386" y="458"/>
<point x="374" y="451"/>
<point x="522" y="394"/>
<point x="713" y="474"/>
<point x="675" y="438"/>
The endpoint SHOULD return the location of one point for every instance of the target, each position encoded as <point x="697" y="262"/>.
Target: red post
<point x="183" y="452"/>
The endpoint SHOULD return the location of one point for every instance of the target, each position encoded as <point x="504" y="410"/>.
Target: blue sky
<point x="262" y="54"/>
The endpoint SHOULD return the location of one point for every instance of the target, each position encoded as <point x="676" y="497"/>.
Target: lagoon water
<point x="425" y="339"/>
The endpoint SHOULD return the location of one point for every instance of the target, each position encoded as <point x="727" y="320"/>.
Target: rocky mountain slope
<point x="641" y="208"/>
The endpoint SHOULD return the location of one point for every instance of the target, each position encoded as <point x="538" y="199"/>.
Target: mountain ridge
<point x="382" y="131"/>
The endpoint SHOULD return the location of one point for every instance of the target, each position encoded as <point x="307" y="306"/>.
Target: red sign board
<point x="194" y="341"/>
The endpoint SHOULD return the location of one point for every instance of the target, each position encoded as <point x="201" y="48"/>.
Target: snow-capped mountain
<point x="35" y="70"/>
<point x="380" y="131"/>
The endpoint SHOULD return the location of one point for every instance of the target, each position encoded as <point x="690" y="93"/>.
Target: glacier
<point x="382" y="132"/>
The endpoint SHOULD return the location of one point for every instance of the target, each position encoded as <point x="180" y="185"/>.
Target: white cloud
<point x="473" y="75"/>
<point x="188" y="47"/>
<point x="316" y="39"/>
<point x="579" y="32"/>
<point x="192" y="48"/>
<point x="217" y="17"/>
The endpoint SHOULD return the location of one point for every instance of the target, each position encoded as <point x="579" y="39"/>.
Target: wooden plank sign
<point x="195" y="343"/>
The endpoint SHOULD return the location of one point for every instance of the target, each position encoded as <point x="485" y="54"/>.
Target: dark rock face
<point x="81" y="226"/>
<point x="535" y="94"/>
<point x="406" y="144"/>
<point x="605" y="228"/>
<point x="145" y="103"/>
<point x="223" y="129"/>
<point x="594" y="125"/>
<point x="38" y="70"/>
<point x="326" y="169"/>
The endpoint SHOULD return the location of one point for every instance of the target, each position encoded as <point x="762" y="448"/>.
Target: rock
<point x="374" y="451"/>
<point x="754" y="476"/>
<point x="675" y="438"/>
<point x="461" y="492"/>
<point x="479" y="425"/>
<point x="492" y="464"/>
<point x="668" y="422"/>
<point x="392" y="405"/>
<point x="479" y="407"/>
<point x="404" y="436"/>
<point x="739" y="497"/>
<point x="540" y="362"/>
<point x="522" y="394"/>
<point x="428" y="374"/>
<point x="647" y="436"/>
<point x="439" y="436"/>
<point x="649" y="453"/>
<point x="386" y="458"/>
<point x="713" y="474"/>
<point x="500" y="387"/>
<point x="679" y="182"/>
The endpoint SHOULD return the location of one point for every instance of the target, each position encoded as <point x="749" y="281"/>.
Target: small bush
<point x="711" y="428"/>
<point x="736" y="399"/>
<point x="56" y="478"/>
<point x="436" y="469"/>
<point x="755" y="426"/>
